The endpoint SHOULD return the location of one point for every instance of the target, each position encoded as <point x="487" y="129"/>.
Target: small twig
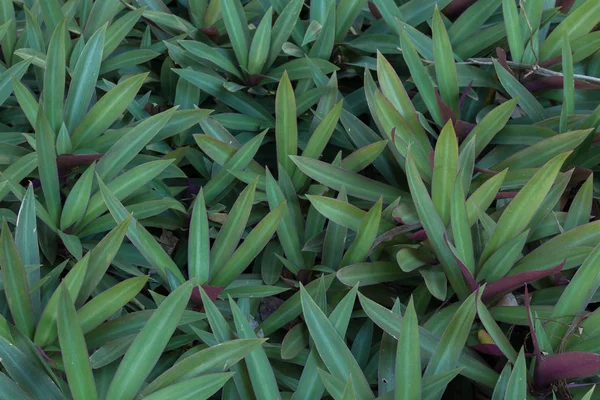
<point x="528" y="67"/>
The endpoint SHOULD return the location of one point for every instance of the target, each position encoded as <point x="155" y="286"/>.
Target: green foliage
<point x="194" y="194"/>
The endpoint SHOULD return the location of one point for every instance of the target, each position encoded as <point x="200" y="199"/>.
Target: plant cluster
<point x="289" y="199"/>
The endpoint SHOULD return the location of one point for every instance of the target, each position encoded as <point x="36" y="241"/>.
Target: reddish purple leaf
<point x="485" y="171"/>
<point x="456" y="7"/>
<point x="72" y="161"/>
<point x="45" y="356"/>
<point x="374" y="11"/>
<point x="473" y="285"/>
<point x="493" y="350"/>
<point x="418" y="236"/>
<point x="462" y="129"/>
<point x="212" y="32"/>
<point x="551" y="61"/>
<point x="565" y="5"/>
<point x="211" y="291"/>
<point x="445" y="110"/>
<point x="511" y="282"/>
<point x="506" y="195"/>
<point x="554" y="82"/>
<point x="501" y="54"/>
<point x="568" y="365"/>
<point x="463" y="96"/>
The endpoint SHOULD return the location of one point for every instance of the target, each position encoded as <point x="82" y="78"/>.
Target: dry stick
<point x="533" y="68"/>
<point x="536" y="69"/>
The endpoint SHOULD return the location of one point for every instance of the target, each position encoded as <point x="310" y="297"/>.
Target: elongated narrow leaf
<point x="106" y="110"/>
<point x="331" y="347"/>
<point x="286" y="131"/>
<point x="522" y="208"/>
<point x="434" y="227"/>
<point x="77" y="200"/>
<point x="47" y="165"/>
<point x="259" y="50"/>
<point x="199" y="243"/>
<point x="74" y="350"/>
<point x="15" y="283"/>
<point x="236" y="24"/>
<point x="27" y="373"/>
<point x="356" y="185"/>
<point x="200" y="388"/>
<point x="256" y="240"/>
<point x="83" y="81"/>
<point x="259" y="368"/>
<point x="445" y="69"/>
<point x="54" y="78"/>
<point x="408" y="357"/>
<point x="444" y="172"/>
<point x="149" y="345"/>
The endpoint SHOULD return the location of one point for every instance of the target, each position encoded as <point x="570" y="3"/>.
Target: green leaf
<point x="461" y="228"/>
<point x="15" y="72"/>
<point x="118" y="30"/>
<point x="149" y="345"/>
<point x="580" y="209"/>
<point x="259" y="50"/>
<point x="568" y="106"/>
<point x="46" y="332"/>
<point x="447" y="77"/>
<point x="200" y="388"/>
<point x="236" y="24"/>
<point x="77" y="200"/>
<point x="104" y="305"/>
<point x="408" y="357"/>
<point x="445" y="168"/>
<point x="47" y="168"/>
<point x="356" y="185"/>
<point x="318" y="141"/>
<point x="579" y="22"/>
<point x="543" y="151"/>
<point x="283" y="27"/>
<point x="500" y="389"/>
<point x="27" y="374"/>
<point x="259" y="368"/>
<point x="105" y="112"/>
<point x="199" y="242"/>
<point x="332" y="349"/>
<point x="16" y="287"/>
<point x="204" y="51"/>
<point x="574" y="298"/>
<point x="516" y="90"/>
<point x="140" y="237"/>
<point x="26" y="240"/>
<point x="83" y="81"/>
<point x="256" y="240"/>
<point x="346" y="13"/>
<point x="391" y="323"/>
<point x="516" y="387"/>
<point x="421" y="78"/>
<point x="123" y="186"/>
<point x="286" y="130"/>
<point x="287" y="232"/>
<point x="210" y="360"/>
<point x="365" y="235"/>
<point x="522" y="208"/>
<point x="54" y="78"/>
<point x="516" y="43"/>
<point x="74" y="350"/>
<point x="394" y="91"/>
<point x="434" y="227"/>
